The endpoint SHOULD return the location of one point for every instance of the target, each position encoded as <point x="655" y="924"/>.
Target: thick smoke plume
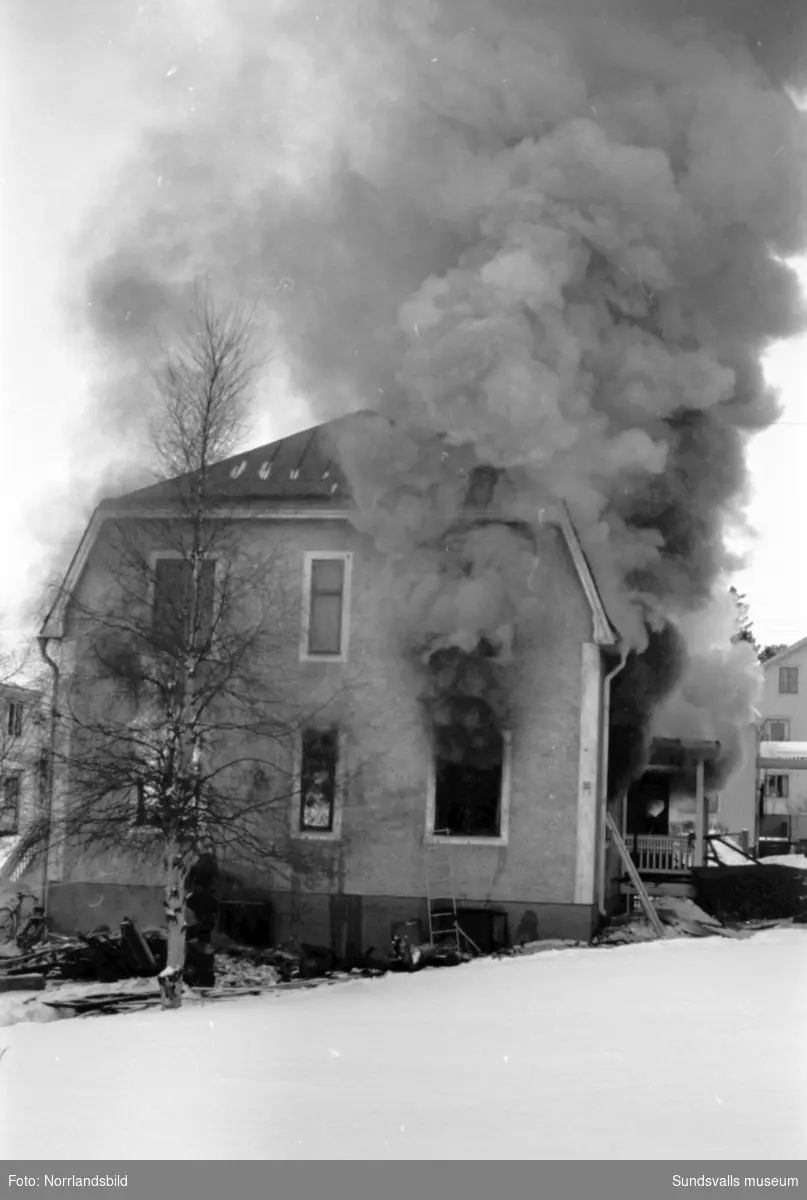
<point x="540" y="240"/>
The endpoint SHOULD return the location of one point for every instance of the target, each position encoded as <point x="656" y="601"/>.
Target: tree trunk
<point x="170" y="978"/>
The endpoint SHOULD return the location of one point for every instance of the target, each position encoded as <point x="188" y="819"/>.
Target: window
<point x="777" y="786"/>
<point x="320" y="753"/>
<point x="10" y="804"/>
<point x="469" y="794"/>
<point x="15" y="710"/>
<point x="788" y="681"/>
<point x="147" y="813"/>
<point x="326" y="594"/>
<point x="173" y="602"/>
<point x="777" y="731"/>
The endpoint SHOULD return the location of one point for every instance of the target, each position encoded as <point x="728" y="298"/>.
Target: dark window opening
<point x="467" y="796"/>
<point x="318" y="779"/>
<point x="326" y="605"/>
<point x="15" y="710"/>
<point x="10" y="805"/>
<point x="777" y="787"/>
<point x="649" y="806"/>
<point x="173" y="603"/>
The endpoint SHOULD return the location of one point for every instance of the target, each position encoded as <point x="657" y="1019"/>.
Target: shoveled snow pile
<point x="663" y="1050"/>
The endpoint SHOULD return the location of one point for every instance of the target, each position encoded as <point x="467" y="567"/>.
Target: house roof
<point x="302" y="466"/>
<point x="293" y="478"/>
<point x="783" y="654"/>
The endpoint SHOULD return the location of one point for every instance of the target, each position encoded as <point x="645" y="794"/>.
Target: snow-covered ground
<point x="682" y="1049"/>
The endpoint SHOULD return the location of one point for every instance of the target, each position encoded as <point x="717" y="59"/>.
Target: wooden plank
<point x="633" y="874"/>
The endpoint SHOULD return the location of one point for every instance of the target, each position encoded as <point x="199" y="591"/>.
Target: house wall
<point x="776" y="705"/>
<point x="21" y="755"/>
<point x="373" y="875"/>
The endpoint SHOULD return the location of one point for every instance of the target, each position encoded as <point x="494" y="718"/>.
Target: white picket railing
<point x="661" y="855"/>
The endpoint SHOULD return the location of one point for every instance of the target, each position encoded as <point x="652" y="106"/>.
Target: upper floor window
<point x="10" y="804"/>
<point x="174" y="613"/>
<point x="777" y="731"/>
<point x="326" y="606"/>
<point x="15" y="713"/>
<point x="789" y="681"/>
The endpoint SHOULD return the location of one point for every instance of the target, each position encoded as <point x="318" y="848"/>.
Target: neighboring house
<point x="768" y="795"/>
<point x="525" y="833"/>
<point x="23" y="767"/>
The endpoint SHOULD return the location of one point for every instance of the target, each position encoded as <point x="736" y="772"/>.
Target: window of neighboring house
<point x="15" y="711"/>
<point x="777" y="731"/>
<point x="10" y="787"/>
<point x="777" y="786"/>
<point x="173" y="601"/>
<point x="319" y="760"/>
<point x="789" y="681"/>
<point x="325" y="599"/>
<point x="468" y="793"/>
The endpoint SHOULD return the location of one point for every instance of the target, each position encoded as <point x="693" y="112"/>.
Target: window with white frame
<point x="319" y="765"/>
<point x="326" y="606"/>
<point x="147" y="808"/>
<point x="469" y="791"/>
<point x="173" y="608"/>
<point x="15" y="716"/>
<point x="788" y="681"/>
<point x="776" y="730"/>
<point x="10" y="789"/>
<point x="777" y="787"/>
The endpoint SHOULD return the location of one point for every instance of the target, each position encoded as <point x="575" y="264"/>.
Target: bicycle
<point x="26" y="932"/>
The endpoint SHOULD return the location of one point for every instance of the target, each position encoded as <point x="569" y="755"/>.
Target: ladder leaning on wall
<point x="441" y="899"/>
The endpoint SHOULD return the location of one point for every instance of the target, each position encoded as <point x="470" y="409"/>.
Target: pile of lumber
<point x="104" y="956"/>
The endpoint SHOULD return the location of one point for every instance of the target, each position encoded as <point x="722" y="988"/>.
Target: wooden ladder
<point x="635" y="878"/>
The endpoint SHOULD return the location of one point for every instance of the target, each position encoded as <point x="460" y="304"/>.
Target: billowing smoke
<point x="540" y="241"/>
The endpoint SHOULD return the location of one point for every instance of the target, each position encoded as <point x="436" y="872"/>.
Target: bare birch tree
<point x="175" y="715"/>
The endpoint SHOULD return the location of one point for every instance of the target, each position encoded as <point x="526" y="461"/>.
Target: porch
<point x="663" y="852"/>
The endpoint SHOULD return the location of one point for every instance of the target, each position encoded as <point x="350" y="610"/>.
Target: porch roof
<point x="782" y="756"/>
<point x="682" y="752"/>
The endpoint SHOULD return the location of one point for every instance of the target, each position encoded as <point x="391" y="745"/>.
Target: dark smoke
<point x="541" y="239"/>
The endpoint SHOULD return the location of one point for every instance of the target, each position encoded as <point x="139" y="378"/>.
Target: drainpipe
<point x="54" y="714"/>
<point x="603" y="804"/>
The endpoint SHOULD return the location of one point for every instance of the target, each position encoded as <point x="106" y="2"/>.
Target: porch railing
<point x="661" y="855"/>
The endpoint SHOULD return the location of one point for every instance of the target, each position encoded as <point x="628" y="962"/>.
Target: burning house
<point x="547" y="248"/>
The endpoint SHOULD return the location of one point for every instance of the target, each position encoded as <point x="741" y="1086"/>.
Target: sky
<point x="81" y="86"/>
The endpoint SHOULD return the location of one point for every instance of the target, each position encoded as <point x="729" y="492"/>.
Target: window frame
<point x="505" y="796"/>
<point x="786" y="672"/>
<point x="309" y="558"/>
<point x="6" y="777"/>
<point x="298" y="831"/>
<point x="776" y="795"/>
<point x="766" y="732"/>
<point x="15" y="719"/>
<point x="156" y="556"/>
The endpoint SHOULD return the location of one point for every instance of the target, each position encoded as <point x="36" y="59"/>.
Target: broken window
<point x="173" y="602"/>
<point x="15" y="711"/>
<point x="468" y="790"/>
<point x="147" y="812"/>
<point x="789" y="681"/>
<point x="318" y="779"/>
<point x="777" y="731"/>
<point x="10" y="787"/>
